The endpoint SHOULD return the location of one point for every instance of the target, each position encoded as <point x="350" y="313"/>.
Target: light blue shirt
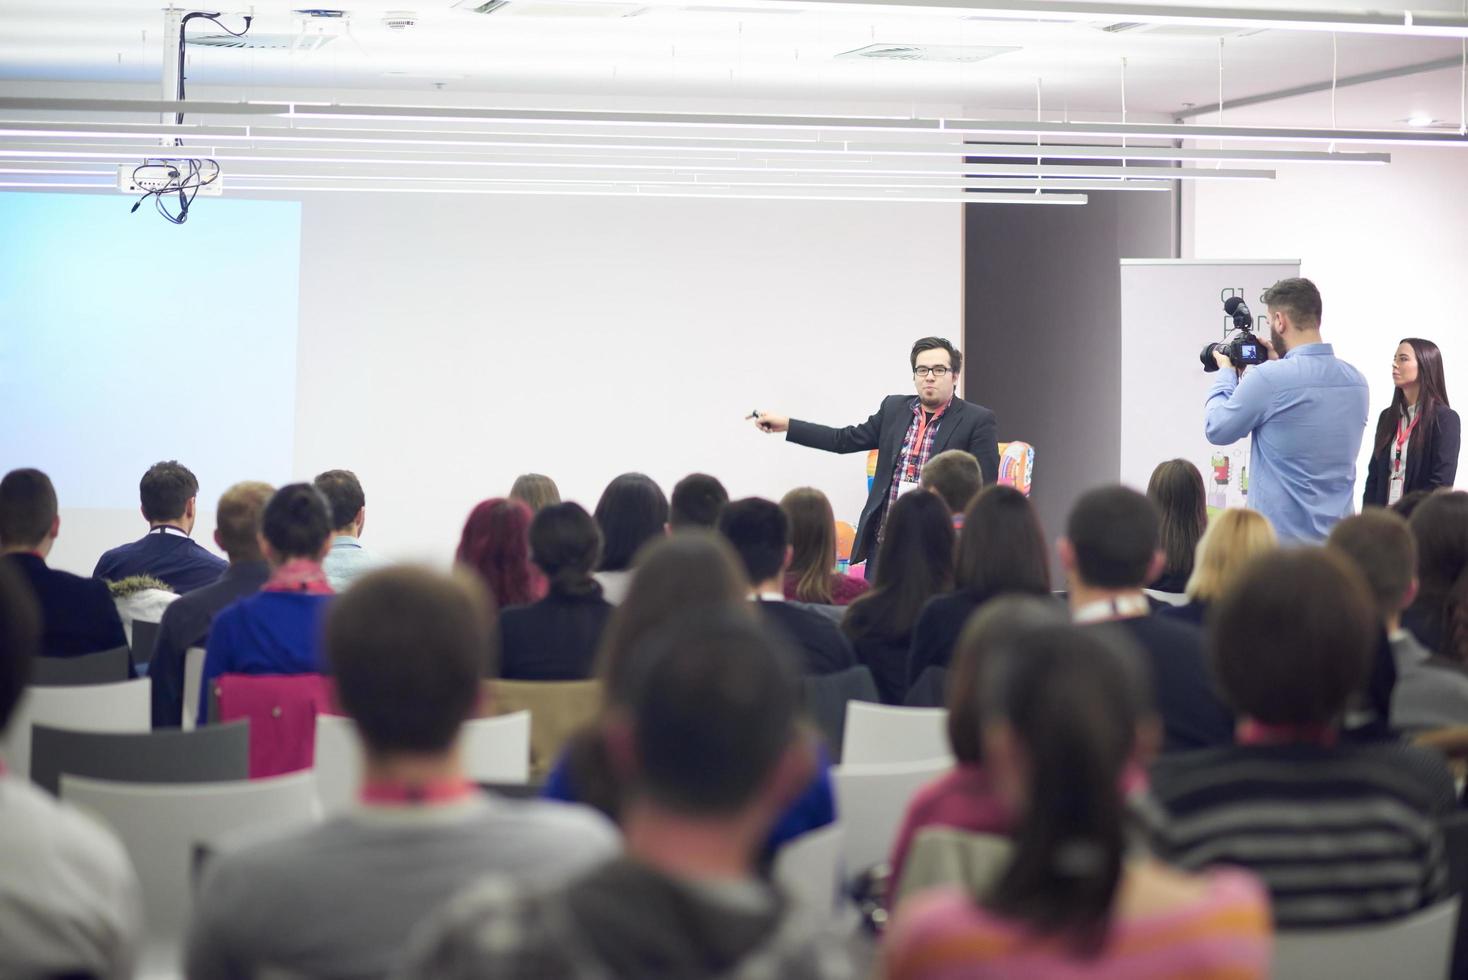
<point x="1307" y="414"/>
<point x="346" y="561"/>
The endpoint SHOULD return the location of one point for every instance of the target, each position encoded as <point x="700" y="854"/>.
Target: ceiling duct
<point x="950" y="53"/>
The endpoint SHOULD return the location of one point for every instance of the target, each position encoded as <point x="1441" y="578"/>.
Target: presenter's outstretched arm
<point x="770" y="422"/>
<point x="850" y="439"/>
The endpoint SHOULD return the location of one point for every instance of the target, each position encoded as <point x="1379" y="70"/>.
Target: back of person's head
<point x="566" y="544"/>
<point x="1066" y="711"/>
<point x="27" y="508"/>
<point x="686" y="571"/>
<point x="1408" y="503"/>
<point x="1298" y="299"/>
<point x="1381" y="545"/>
<point x="495" y="543"/>
<point x="632" y="510"/>
<point x="343" y="491"/>
<point x="1233" y="538"/>
<point x="954" y="475"/>
<point x="914" y="563"/>
<point x="714" y="704"/>
<point x="1440" y="525"/>
<point x="1113" y="538"/>
<point x="1176" y="490"/>
<point x="1292" y="639"/>
<point x="759" y="531"/>
<point x="812" y="542"/>
<point x="535" y="490"/>
<point x="237" y="519"/>
<point x="296" y="523"/>
<point x="1002" y="546"/>
<point x="696" y="501"/>
<point x="996" y="625"/>
<point x="20" y="638"/>
<point x="407" y="649"/>
<point x="166" y="489"/>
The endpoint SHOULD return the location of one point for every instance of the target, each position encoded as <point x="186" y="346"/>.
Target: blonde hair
<point x="1233" y="537"/>
<point x="536" y="491"/>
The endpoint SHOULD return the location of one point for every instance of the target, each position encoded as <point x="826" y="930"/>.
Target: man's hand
<point x="767" y="422"/>
<point x="1224" y="364"/>
<point x="1269" y="346"/>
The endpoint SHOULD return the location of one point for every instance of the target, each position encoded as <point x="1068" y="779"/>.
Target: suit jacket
<point x="555" y="639"/>
<point x="964" y="426"/>
<point x="823" y="647"/>
<point x="77" y="614"/>
<point x="1432" y="464"/>
<point x="173" y="558"/>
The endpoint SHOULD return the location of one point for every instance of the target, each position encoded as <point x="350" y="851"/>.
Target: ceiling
<point x="725" y="55"/>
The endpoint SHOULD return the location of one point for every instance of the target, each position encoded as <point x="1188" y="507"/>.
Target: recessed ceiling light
<point x="1421" y="121"/>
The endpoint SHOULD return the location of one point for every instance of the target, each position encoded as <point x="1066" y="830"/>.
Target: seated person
<point x="1001" y="548"/>
<point x="1438" y="616"/>
<point x="169" y="492"/>
<point x="1066" y="713"/>
<point x="1109" y="554"/>
<point x="72" y="905"/>
<point x="495" y="545"/>
<point x="1233" y="537"/>
<point x="713" y="767"/>
<point x="186" y="621"/>
<point x="954" y="475"/>
<point x="347" y="559"/>
<point x="1291" y="642"/>
<point x="535" y="490"/>
<point x="77" y="614"/>
<point x="760" y="533"/>
<point x="556" y="639"/>
<point x="696" y="502"/>
<point x="631" y="512"/>
<point x="914" y="564"/>
<point x="1176" y="491"/>
<point x="278" y="630"/>
<point x="812" y="575"/>
<point x="406" y="648"/>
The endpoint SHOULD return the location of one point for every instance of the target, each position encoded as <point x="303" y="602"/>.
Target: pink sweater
<point x="959" y="800"/>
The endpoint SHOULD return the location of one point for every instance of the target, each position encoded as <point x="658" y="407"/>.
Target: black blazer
<point x="78" y="615"/>
<point x="555" y="639"/>
<point x="964" y="426"/>
<point x="1433" y="465"/>
<point x="824" y="649"/>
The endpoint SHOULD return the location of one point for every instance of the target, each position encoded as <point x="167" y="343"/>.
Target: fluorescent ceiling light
<point x="1420" y="121"/>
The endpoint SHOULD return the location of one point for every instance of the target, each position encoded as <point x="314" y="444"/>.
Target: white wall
<point x="1384" y="244"/>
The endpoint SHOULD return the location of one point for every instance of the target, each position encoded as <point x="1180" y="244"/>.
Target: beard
<point x="1280" y="347"/>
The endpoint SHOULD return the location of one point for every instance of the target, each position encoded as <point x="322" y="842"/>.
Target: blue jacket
<point x="266" y="633"/>
<point x="179" y="561"/>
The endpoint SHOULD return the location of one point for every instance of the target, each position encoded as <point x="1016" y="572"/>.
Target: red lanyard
<point x="1402" y="437"/>
<point x="410" y="794"/>
<point x="924" y="419"/>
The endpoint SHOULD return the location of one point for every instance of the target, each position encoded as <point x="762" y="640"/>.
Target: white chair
<point x="192" y="682"/>
<point x="879" y="733"/>
<point x="808" y="868"/>
<point x="1419" y="946"/>
<point x="162" y="824"/>
<point x="495" y="750"/>
<point x="124" y="707"/>
<point x="871" y="801"/>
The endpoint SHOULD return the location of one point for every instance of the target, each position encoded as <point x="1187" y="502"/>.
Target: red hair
<point x="496" y="544"/>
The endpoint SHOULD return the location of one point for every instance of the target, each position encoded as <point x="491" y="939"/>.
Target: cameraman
<point x="1306" y="411"/>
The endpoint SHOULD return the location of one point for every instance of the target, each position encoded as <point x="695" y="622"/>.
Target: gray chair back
<point x="145" y="638"/>
<point x="107" y="667"/>
<point x="219" y="753"/>
<point x="826" y="696"/>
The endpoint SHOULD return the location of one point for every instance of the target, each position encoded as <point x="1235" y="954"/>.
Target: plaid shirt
<point x="913" y="458"/>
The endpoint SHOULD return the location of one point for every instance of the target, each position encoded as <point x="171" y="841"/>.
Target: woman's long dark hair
<point x="1176" y="490"/>
<point x="1002" y="546"/>
<point x="632" y="510"/>
<point x="914" y="563"/>
<point x="812" y="543"/>
<point x="1440" y="525"/>
<point x="1073" y="698"/>
<point x="1432" y="392"/>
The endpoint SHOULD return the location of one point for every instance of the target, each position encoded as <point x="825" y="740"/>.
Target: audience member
<point x="72" y="905"/>
<point x="406" y="648"/>
<point x="1439" y="615"/>
<point x="277" y="630"/>
<point x="696" y="502"/>
<point x="1341" y="832"/>
<point x="914" y="564"/>
<point x="812" y="575"/>
<point x="1176" y="490"/>
<point x="1001" y="548"/>
<point x="954" y="475"/>
<point x="495" y="543"/>
<point x="77" y="614"/>
<point x="711" y="736"/>
<point x="760" y="533"/>
<point x="1109" y="553"/>
<point x="347" y="560"/>
<point x="1233" y="538"/>
<point x="556" y="638"/>
<point x="169" y="492"/>
<point x="140" y="599"/>
<point x="965" y="798"/>
<point x="186" y="622"/>
<point x="632" y="511"/>
<point x="1431" y="691"/>
<point x="536" y="491"/>
<point x="1410" y="501"/>
<point x="691" y="570"/>
<point x="1065" y="717"/>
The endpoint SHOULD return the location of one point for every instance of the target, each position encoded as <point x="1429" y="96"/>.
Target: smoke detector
<point x="400" y="20"/>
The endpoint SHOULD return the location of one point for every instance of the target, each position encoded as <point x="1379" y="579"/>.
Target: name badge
<point x="907" y="486"/>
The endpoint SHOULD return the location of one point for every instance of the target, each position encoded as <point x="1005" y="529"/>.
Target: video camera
<point x="1243" y="348"/>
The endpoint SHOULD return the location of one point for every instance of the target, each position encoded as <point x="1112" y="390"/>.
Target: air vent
<point x="489" y="7"/>
<point x="1204" y="31"/>
<point x="962" y="53"/>
<point x="261" y="42"/>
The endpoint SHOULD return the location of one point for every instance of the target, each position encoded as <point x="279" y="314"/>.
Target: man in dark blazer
<point x="906" y="431"/>
<point x="169" y="493"/>
<point x="77" y="614"/>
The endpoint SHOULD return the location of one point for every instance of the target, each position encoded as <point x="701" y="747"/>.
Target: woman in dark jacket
<point x="1417" y="436"/>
